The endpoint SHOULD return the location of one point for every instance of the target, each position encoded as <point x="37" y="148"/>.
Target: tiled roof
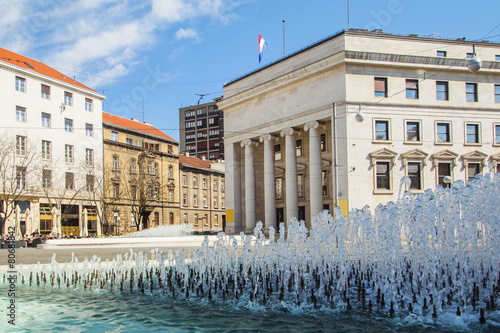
<point x="36" y="66"/>
<point x="133" y="125"/>
<point x="194" y="161"/>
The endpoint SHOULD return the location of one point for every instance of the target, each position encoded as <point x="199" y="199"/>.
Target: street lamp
<point x="474" y="63"/>
<point x="447" y="180"/>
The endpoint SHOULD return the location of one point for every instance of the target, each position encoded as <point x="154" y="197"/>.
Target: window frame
<point x="420" y="176"/>
<point x="440" y="177"/>
<point x="45" y="95"/>
<point x="471" y="96"/>
<point x="69" y="180"/>
<point x="387" y="130"/>
<point x="46" y="150"/>
<point x="442" y="54"/>
<point x="496" y="91"/>
<point x="445" y="91"/>
<point x="89" y="105"/>
<point x="477" y="134"/>
<point x="20" y="84"/>
<point x="496" y="134"/>
<point x="46" y="121"/>
<point x="114" y="136"/>
<point x="377" y="81"/>
<point x="412" y="87"/>
<point x="449" y="132"/>
<point x="68" y="98"/>
<point x="89" y="129"/>
<point x="418" y="132"/>
<point x="68" y="125"/>
<point x="69" y="154"/>
<point x="21" y="114"/>
<point x="21" y="145"/>
<point x="89" y="156"/>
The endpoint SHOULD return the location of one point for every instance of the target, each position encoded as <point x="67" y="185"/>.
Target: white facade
<point x="62" y="124"/>
<point x="425" y="115"/>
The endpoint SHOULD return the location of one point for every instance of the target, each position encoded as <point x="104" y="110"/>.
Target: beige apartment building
<point x="202" y="194"/>
<point x="141" y="176"/>
<point x="341" y="122"/>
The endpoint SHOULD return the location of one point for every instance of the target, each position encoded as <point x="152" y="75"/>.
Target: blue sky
<point x="162" y="54"/>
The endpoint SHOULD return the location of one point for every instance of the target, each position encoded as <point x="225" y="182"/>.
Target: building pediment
<point x="414" y="154"/>
<point x="475" y="156"/>
<point x="383" y="154"/>
<point x="495" y="157"/>
<point x="446" y="155"/>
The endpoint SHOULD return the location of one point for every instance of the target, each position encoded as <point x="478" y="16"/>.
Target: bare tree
<point x="17" y="155"/>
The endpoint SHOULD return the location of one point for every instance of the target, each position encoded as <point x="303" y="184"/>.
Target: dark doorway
<point x="302" y="213"/>
<point x="279" y="216"/>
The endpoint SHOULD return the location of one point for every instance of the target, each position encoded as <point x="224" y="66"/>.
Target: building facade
<point x="202" y="130"/>
<point x="141" y="176"/>
<point x="51" y="142"/>
<point x="202" y="194"/>
<point x="342" y="121"/>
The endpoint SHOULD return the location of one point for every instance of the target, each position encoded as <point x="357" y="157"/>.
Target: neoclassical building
<point x="141" y="176"/>
<point x="341" y="122"/>
<point x="203" y="194"/>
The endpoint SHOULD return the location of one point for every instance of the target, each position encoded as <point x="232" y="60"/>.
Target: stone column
<point x="233" y="189"/>
<point x="249" y="186"/>
<point x="269" y="182"/>
<point x="292" y="208"/>
<point x="315" y="186"/>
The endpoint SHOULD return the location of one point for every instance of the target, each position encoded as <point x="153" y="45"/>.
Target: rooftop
<point x="38" y="67"/>
<point x="134" y="125"/>
<point x="194" y="161"/>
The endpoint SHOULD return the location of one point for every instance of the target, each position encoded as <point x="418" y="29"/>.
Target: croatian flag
<point x="262" y="47"/>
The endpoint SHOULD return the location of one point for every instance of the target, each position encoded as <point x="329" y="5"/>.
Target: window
<point x="443" y="133"/>
<point x="277" y="152"/>
<point x="116" y="163"/>
<point x="129" y="141"/>
<point x="444" y="170"/>
<point x="412" y="89"/>
<point x="20" y="84"/>
<point x="88" y="104"/>
<point x="151" y="169"/>
<point x="195" y="181"/>
<point x="471" y="92"/>
<point x="133" y="192"/>
<point x="89" y="130"/>
<point x="68" y="153"/>
<point x="442" y="90"/>
<point x="46" y="150"/>
<point x="472" y="170"/>
<point x="70" y="181"/>
<point x="278" y="182"/>
<point x="46" y="119"/>
<point x="20" y="114"/>
<point x="383" y="175"/>
<point x="381" y="130"/>
<point x="222" y="185"/>
<point x="215" y="184"/>
<point x="196" y="219"/>
<point x="195" y="200"/>
<point x="89" y="156"/>
<point x="413" y="131"/>
<point x="20" y="145"/>
<point x="469" y="55"/>
<point x="497" y="93"/>
<point x="298" y="147"/>
<point x="497" y="134"/>
<point x="415" y="174"/>
<point x="441" y="54"/>
<point x="68" y="98"/>
<point x="45" y="91"/>
<point x="184" y="180"/>
<point x="497" y="57"/>
<point x="300" y="186"/>
<point x="170" y="195"/>
<point x="323" y="142"/>
<point x="114" y="136"/>
<point x="324" y="182"/>
<point x="472" y="133"/>
<point x="184" y="200"/>
<point x="215" y="202"/>
<point x="132" y="165"/>
<point x="205" y="203"/>
<point x="46" y="178"/>
<point x="156" y="170"/>
<point x="68" y="125"/>
<point x="90" y="183"/>
<point x="170" y="171"/>
<point x="21" y="178"/>
<point x="116" y="190"/>
<point x="204" y="183"/>
<point x="381" y="87"/>
<point x="156" y="194"/>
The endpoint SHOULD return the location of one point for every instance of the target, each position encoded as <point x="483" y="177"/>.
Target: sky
<point x="152" y="57"/>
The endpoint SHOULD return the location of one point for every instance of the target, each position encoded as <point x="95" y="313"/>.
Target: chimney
<point x="203" y="158"/>
<point x="186" y="153"/>
<point x="134" y="119"/>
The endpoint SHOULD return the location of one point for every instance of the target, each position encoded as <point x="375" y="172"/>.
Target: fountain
<point x="428" y="256"/>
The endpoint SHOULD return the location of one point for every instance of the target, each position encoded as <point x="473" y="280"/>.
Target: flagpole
<point x="283" y="38"/>
<point x="348" y="25"/>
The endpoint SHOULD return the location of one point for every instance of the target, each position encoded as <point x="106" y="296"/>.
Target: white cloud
<point x="186" y="33"/>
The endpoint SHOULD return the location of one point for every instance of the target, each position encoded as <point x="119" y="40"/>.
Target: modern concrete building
<point x="202" y="193"/>
<point x="342" y="121"/>
<point x="141" y="176"/>
<point x="201" y="131"/>
<point x="51" y="140"/>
